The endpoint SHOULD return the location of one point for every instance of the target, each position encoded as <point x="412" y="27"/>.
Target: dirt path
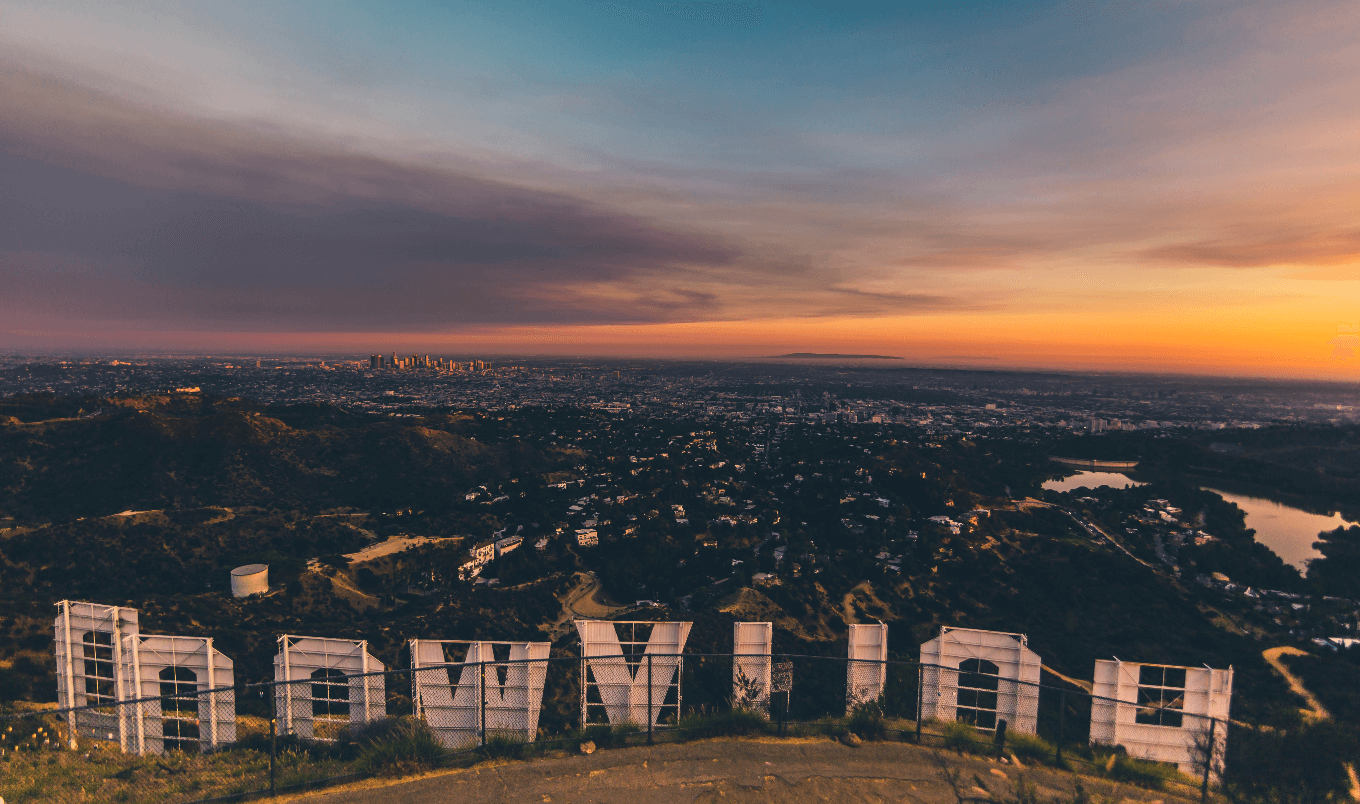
<point x="367" y="534"/>
<point x="1315" y="710"/>
<point x="1086" y="685"/>
<point x="732" y="771"/>
<point x="583" y="601"/>
<point x="343" y="587"/>
<point x="393" y="545"/>
<point x="848" y="607"/>
<point x="586" y="599"/>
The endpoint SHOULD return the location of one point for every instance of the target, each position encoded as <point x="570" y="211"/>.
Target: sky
<point x="1159" y="185"/>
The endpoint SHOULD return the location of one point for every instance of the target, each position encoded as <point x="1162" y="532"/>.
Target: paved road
<point x="1096" y="534"/>
<point x="727" y="771"/>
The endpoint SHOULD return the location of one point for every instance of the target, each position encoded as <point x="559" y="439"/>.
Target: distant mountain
<point x="819" y="355"/>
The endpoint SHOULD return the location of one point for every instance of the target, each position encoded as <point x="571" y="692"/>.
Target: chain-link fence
<point x="184" y="742"/>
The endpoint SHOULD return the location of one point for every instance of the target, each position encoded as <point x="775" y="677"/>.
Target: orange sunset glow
<point x="1174" y="193"/>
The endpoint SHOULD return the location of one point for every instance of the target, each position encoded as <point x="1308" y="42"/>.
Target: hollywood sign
<point x="463" y="698"/>
<point x="630" y="673"/>
<point x="336" y="692"/>
<point x="633" y="686"/>
<point x="184" y="684"/>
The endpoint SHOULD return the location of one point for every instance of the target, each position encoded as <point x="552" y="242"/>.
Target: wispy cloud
<point x="139" y="214"/>
<point x="120" y="212"/>
<point x="672" y="163"/>
<point x="1249" y="249"/>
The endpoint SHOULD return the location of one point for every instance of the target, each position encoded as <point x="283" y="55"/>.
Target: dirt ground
<point x="731" y="771"/>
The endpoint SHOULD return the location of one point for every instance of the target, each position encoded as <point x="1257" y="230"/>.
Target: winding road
<point x="1315" y="710"/>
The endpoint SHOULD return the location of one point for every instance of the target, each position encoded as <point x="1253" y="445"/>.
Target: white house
<point x="507" y="544"/>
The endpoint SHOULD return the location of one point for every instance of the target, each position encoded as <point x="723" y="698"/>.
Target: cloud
<point x="1248" y="249"/>
<point x="120" y="212"/>
<point x="757" y="190"/>
<point x="117" y="212"/>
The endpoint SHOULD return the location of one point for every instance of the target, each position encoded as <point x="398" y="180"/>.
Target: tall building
<point x="375" y="361"/>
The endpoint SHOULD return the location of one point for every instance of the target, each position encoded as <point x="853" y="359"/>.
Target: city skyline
<point x="1069" y="186"/>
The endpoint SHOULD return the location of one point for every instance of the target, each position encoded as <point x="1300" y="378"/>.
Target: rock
<point x="588" y="747"/>
<point x="851" y="739"/>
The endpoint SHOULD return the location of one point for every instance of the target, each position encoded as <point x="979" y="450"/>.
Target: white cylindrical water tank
<point x="252" y="579"/>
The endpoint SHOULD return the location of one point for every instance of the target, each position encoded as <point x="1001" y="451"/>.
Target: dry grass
<point x="99" y="772"/>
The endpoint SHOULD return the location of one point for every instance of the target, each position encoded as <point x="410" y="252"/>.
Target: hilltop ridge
<point x="820" y="355"/>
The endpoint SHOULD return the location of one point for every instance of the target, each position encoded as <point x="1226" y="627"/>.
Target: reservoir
<point x="1288" y="531"/>
<point x="1092" y="480"/>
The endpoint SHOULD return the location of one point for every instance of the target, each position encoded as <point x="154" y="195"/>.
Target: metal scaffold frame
<point x="488" y="696"/>
<point x="620" y="680"/>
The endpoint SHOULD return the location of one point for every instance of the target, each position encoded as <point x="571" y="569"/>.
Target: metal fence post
<point x="920" y="698"/>
<point x="273" y="736"/>
<point x="1062" y="713"/>
<point x="1208" y="761"/>
<point x="483" y="697"/>
<point x="784" y="715"/>
<point x="649" y="699"/>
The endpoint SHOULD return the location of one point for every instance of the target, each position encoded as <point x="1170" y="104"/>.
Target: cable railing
<point x="279" y="737"/>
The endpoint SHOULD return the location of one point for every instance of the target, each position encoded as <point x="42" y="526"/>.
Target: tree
<point x="1338" y="571"/>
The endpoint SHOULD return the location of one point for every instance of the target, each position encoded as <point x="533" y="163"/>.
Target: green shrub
<point x="316" y="750"/>
<point x="730" y="722"/>
<point x="396" y="747"/>
<point x="1030" y="748"/>
<point x="1153" y="775"/>
<point x="866" y="720"/>
<point x="14" y="686"/>
<point x="605" y="735"/>
<point x="503" y="747"/>
<point x="964" y="738"/>
<point x="1296" y="761"/>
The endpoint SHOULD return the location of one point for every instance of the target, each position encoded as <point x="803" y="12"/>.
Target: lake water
<point x="1288" y="531"/>
<point x="1092" y="480"/>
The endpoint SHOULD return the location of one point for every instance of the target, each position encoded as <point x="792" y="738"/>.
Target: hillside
<point x="183" y="451"/>
<point x="151" y="501"/>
